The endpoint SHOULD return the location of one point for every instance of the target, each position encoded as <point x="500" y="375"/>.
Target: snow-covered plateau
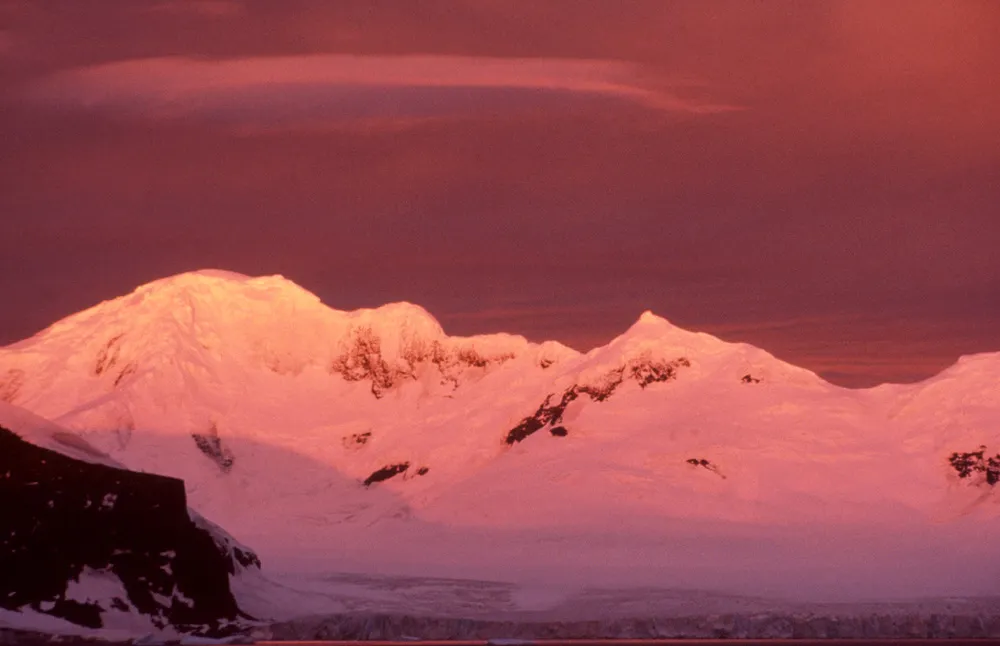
<point x="378" y="465"/>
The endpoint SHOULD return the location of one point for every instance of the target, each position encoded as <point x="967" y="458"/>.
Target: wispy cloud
<point x="320" y="89"/>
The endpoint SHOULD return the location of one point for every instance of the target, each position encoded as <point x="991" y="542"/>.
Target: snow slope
<point x="665" y="458"/>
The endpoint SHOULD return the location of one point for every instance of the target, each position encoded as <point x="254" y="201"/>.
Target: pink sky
<point x="820" y="179"/>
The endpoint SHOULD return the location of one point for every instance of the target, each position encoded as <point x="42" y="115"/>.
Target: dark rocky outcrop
<point x="238" y="557"/>
<point x="648" y="371"/>
<point x="558" y="431"/>
<point x="643" y="370"/>
<point x="107" y="357"/>
<point x="702" y="462"/>
<point x="386" y="472"/>
<point x="546" y="414"/>
<point x="976" y="463"/>
<point x="749" y="379"/>
<point x="11" y="384"/>
<point x="67" y="522"/>
<point x="361" y="359"/>
<point x="210" y="444"/>
<point x="393" y="470"/>
<point x="356" y="440"/>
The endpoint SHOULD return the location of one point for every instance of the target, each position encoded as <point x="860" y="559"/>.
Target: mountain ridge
<point x="175" y="299"/>
<point x="372" y="437"/>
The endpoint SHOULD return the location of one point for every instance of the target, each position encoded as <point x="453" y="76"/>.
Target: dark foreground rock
<point x="11" y="637"/>
<point x="79" y="540"/>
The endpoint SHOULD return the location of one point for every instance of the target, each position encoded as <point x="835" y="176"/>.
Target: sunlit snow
<point x="735" y="473"/>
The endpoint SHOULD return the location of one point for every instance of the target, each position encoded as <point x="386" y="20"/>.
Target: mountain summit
<point x="188" y="336"/>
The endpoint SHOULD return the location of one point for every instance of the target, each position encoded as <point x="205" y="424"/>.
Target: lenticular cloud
<point x="290" y="90"/>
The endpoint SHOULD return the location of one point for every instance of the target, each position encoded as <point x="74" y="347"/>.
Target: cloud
<point x="313" y="90"/>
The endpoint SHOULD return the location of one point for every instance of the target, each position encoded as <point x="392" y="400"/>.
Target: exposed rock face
<point x="78" y="539"/>
<point x="210" y="444"/>
<point x="10" y="384"/>
<point x="643" y="370"/>
<point x="362" y="358"/>
<point x="386" y="472"/>
<point x="702" y="462"/>
<point x="355" y="441"/>
<point x="977" y="466"/>
<point x="392" y="470"/>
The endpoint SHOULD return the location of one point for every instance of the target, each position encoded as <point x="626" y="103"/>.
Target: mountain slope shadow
<point x="75" y="531"/>
<point x="92" y="537"/>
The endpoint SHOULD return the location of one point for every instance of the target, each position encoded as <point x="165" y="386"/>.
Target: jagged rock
<point x="702" y="462"/>
<point x="356" y="440"/>
<point x="238" y="557"/>
<point x="646" y="371"/>
<point x="643" y="370"/>
<point x="361" y="358"/>
<point x="545" y="415"/>
<point x="210" y="444"/>
<point x="68" y="524"/>
<point x="975" y="463"/>
<point x="386" y="472"/>
<point x="10" y="384"/>
<point x="107" y="357"/>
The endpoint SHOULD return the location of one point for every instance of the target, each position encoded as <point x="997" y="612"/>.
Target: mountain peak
<point x="651" y="324"/>
<point x="185" y="342"/>
<point x="222" y="274"/>
<point x="652" y="329"/>
<point x="214" y="284"/>
<point x="193" y="335"/>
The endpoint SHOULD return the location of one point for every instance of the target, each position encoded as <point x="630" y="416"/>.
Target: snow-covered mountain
<point x="371" y="441"/>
